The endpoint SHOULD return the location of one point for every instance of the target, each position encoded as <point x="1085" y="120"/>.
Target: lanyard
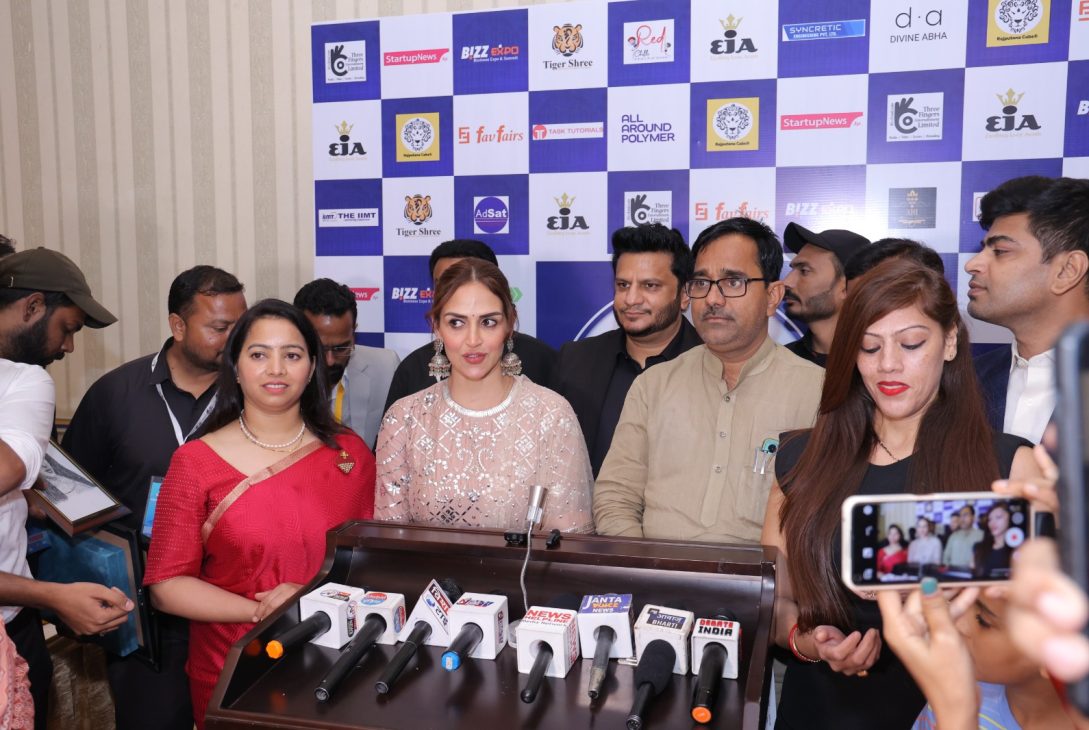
<point x="338" y="403"/>
<point x="182" y="438"/>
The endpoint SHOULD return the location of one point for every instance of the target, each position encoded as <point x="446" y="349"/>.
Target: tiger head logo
<point x="567" y="40"/>
<point x="417" y="134"/>
<point x="417" y="208"/>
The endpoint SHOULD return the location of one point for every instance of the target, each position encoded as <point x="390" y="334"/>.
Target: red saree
<point x="259" y="532"/>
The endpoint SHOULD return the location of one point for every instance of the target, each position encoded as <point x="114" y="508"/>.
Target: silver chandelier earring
<point x="439" y="365"/>
<point x="511" y="364"/>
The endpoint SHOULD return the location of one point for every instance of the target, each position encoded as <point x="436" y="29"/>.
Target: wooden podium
<point x="255" y="691"/>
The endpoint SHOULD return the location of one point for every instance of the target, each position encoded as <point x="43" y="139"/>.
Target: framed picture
<point x="71" y="498"/>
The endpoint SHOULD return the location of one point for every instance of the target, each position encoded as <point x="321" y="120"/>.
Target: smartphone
<point x="1072" y="415"/>
<point x="966" y="538"/>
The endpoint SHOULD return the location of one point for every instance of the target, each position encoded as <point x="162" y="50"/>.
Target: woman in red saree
<point x="244" y="510"/>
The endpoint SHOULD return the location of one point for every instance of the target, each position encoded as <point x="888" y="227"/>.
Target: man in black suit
<point x="412" y="376"/>
<point x="1032" y="277"/>
<point x="651" y="263"/>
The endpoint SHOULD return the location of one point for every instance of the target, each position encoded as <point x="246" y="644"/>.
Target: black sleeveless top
<point x="814" y="696"/>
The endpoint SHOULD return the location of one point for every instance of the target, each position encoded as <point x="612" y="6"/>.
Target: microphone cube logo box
<point x="339" y="602"/>
<point x="390" y="606"/>
<point x="669" y="624"/>
<point x="490" y="614"/>
<point x="555" y="627"/>
<point x="607" y="609"/>
<point x="717" y="631"/>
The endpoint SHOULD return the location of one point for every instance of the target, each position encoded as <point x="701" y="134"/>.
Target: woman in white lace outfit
<point x="467" y="451"/>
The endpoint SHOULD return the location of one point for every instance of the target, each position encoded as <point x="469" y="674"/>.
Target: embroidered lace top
<point x="445" y="465"/>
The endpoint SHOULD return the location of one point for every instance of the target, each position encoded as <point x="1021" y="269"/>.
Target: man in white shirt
<point x="44" y="301"/>
<point x="1032" y="277"/>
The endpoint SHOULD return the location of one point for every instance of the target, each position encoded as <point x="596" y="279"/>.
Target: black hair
<point x="7" y="246"/>
<point x="202" y="279"/>
<point x="655" y="238"/>
<point x="314" y="405"/>
<point x="1011" y="197"/>
<point x="769" y="249"/>
<point x="53" y="299"/>
<point x="870" y="256"/>
<point x="325" y="296"/>
<point x="1059" y="217"/>
<point x="461" y="248"/>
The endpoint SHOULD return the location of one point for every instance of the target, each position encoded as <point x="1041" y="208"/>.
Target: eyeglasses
<point x="338" y="350"/>
<point x="729" y="287"/>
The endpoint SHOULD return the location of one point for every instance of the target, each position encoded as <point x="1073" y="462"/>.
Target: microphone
<point x="714" y="655"/>
<point x="310" y="627"/>
<point x="428" y="624"/>
<point x="479" y="624"/>
<point x="535" y="512"/>
<point x="651" y="678"/>
<point x="552" y="634"/>
<point x="666" y="624"/>
<point x="605" y="631"/>
<point x="384" y="615"/>
<point x="337" y="603"/>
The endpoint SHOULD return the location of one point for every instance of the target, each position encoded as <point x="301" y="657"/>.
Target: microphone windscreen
<point x="722" y="614"/>
<point x="451" y="588"/>
<point x="656" y="665"/>
<point x="567" y="601"/>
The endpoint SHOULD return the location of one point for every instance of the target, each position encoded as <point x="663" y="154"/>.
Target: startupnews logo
<point x="828" y="120"/>
<point x="411" y="58"/>
<point x="364" y="293"/>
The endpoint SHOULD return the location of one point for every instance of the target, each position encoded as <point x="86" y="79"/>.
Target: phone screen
<point x="953" y="540"/>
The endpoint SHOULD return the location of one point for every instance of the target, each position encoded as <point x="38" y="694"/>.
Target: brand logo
<point x="648" y="42"/>
<point x="1010" y="121"/>
<point x="825" y="30"/>
<point x="549" y="616"/>
<point x="565" y="221"/>
<point x="364" y="293"/>
<point x="826" y="120"/>
<point x="411" y="294"/>
<point x="1018" y="22"/>
<point x="345" y="147"/>
<point x="487" y="54"/>
<point x="733" y="124"/>
<point x="373" y="599"/>
<point x="913" y="207"/>
<point x="704" y="211"/>
<point x="417" y="137"/>
<point x="491" y="214"/>
<point x="921" y="26"/>
<point x="656" y="617"/>
<point x="1083" y="105"/>
<point x="336" y="594"/>
<point x="347" y="217"/>
<point x="571" y="130"/>
<point x="417" y="212"/>
<point x="567" y="41"/>
<point x="633" y="130"/>
<point x="730" y="43"/>
<point x="606" y="603"/>
<point x="345" y="61"/>
<point x="481" y="135"/>
<point x="411" y="58"/>
<point x="810" y="208"/>
<point x="479" y="603"/>
<point x="652" y="206"/>
<point x="913" y="118"/>
<point x="714" y="627"/>
<point x="1083" y="10"/>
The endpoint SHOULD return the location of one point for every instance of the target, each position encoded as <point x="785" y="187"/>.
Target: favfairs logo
<point x="482" y="136"/>
<point x="491" y="214"/>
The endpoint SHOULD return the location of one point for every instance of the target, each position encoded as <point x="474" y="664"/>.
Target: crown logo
<point x="564" y="201"/>
<point x="730" y="23"/>
<point x="344" y="129"/>
<point x="912" y="197"/>
<point x="1011" y="98"/>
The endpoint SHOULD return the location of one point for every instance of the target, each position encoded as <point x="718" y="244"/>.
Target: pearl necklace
<point x="271" y="447"/>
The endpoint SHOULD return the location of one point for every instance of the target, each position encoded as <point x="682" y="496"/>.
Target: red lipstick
<point x="892" y="387"/>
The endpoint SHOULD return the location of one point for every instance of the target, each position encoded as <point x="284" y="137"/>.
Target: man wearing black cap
<point x="44" y="301"/>
<point x="815" y="286"/>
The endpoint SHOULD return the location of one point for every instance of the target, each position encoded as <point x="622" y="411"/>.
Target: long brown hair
<point x="953" y="449"/>
<point x="468" y="270"/>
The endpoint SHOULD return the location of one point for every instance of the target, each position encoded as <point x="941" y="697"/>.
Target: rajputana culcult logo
<point x="417" y="134"/>
<point x="1017" y="16"/>
<point x="733" y="121"/>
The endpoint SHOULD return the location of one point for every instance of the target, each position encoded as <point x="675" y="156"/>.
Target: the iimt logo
<point x="913" y="24"/>
<point x="490" y="53"/>
<point x="1010" y="120"/>
<point x="482" y="136"/>
<point x="565" y="221"/>
<point x="730" y="43"/>
<point x="364" y="293"/>
<point x="567" y="41"/>
<point x="345" y="147"/>
<point x="417" y="212"/>
<point x="411" y="295"/>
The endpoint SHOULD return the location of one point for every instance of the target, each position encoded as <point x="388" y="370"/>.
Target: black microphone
<point x="605" y="638"/>
<point x="651" y="678"/>
<point x="714" y="659"/>
<point x="566" y="602"/>
<point x="431" y="610"/>
<point x="462" y="645"/>
<point x="713" y="640"/>
<point x="352" y="655"/>
<point x="314" y="625"/>
<point x="419" y="635"/>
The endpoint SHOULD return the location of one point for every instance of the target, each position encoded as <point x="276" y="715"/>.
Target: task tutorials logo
<point x="733" y="124"/>
<point x="651" y="206"/>
<point x="915" y="117"/>
<point x="1018" y="22"/>
<point x="345" y="61"/>
<point x="731" y="44"/>
<point x="491" y="214"/>
<point x="649" y="41"/>
<point x="913" y="207"/>
<point x="1012" y="122"/>
<point x="417" y="137"/>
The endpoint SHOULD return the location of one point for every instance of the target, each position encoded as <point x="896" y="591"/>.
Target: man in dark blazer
<point x="1030" y="277"/>
<point x="651" y="263"/>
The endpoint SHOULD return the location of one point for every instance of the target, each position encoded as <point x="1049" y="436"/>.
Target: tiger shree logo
<point x="417" y="212"/>
<point x="733" y="124"/>
<point x="417" y="137"/>
<point x="567" y="42"/>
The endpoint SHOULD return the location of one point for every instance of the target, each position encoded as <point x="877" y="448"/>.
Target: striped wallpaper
<point x="141" y="137"/>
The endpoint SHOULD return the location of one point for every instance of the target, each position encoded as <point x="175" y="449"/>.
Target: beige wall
<point x="141" y="137"/>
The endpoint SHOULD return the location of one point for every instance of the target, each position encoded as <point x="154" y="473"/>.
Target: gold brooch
<point x="344" y="461"/>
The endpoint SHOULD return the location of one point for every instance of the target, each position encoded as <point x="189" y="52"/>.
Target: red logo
<point x="411" y="58"/>
<point x="827" y="120"/>
<point x="540" y="131"/>
<point x="364" y="293"/>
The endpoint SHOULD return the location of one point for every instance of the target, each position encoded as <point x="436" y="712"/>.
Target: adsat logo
<point x="488" y="53"/>
<point x="565" y="221"/>
<point x="652" y="206"/>
<point x="1010" y="122"/>
<point x="827" y="120"/>
<point x="909" y="21"/>
<point x="913" y="207"/>
<point x="345" y="147"/>
<point x="482" y="136"/>
<point x="1018" y="22"/>
<point x="364" y="293"/>
<point x="916" y="117"/>
<point x="733" y="124"/>
<point x="417" y="137"/>
<point x="345" y="61"/>
<point x="411" y="295"/>
<point x="648" y="41"/>
<point x="491" y="214"/>
<point x="417" y="212"/>
<point x="703" y="211"/>
<point x="567" y="41"/>
<point x="730" y="44"/>
<point x="826" y="30"/>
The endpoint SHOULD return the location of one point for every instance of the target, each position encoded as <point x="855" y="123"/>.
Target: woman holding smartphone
<point x="901" y="411"/>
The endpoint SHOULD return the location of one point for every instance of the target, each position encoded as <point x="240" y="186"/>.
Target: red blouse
<point x="886" y="562"/>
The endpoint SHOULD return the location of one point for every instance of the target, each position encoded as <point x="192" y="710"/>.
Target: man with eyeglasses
<point x="693" y="454"/>
<point x="359" y="376"/>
